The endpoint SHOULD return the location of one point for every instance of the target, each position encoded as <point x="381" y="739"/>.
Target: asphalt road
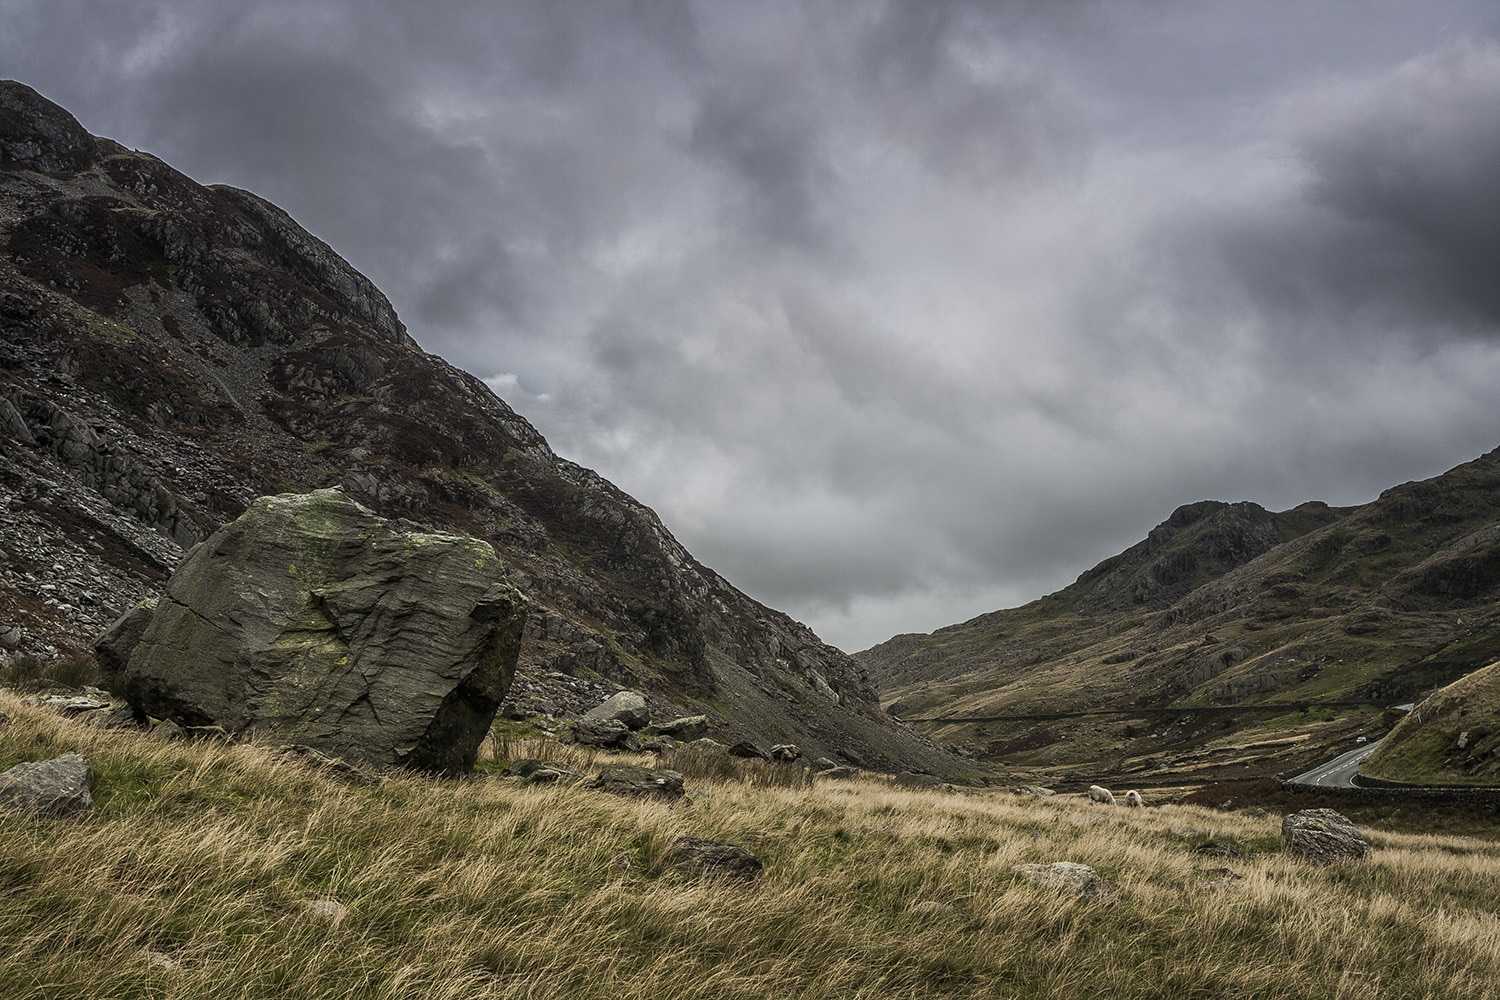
<point x="1339" y="772"/>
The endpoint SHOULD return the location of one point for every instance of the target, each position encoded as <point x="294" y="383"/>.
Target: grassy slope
<point x="205" y="856"/>
<point x="1424" y="747"/>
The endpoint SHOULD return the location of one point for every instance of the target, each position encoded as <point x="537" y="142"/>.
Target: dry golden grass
<point x="194" y="878"/>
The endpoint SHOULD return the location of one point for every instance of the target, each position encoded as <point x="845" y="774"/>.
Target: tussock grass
<point x="195" y="875"/>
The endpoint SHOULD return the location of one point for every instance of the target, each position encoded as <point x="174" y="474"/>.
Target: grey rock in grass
<point x="748" y="751"/>
<point x="608" y="734"/>
<point x="1322" y="836"/>
<point x="627" y="708"/>
<point x="785" y="752"/>
<point x="824" y="764"/>
<point x="716" y="859"/>
<point x="117" y="717"/>
<point x="691" y="727"/>
<point x="838" y="771"/>
<point x="59" y="787"/>
<point x="1036" y="791"/>
<point x="1070" y="875"/>
<point x="312" y="621"/>
<point x="628" y="779"/>
<point x="912" y="779"/>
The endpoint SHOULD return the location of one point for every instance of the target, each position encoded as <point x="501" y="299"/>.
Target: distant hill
<point x="1451" y="738"/>
<point x="169" y="351"/>
<point x="1231" y="605"/>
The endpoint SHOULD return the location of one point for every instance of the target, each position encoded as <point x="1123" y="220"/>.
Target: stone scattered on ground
<point x="626" y="707"/>
<point x="325" y="909"/>
<point x="629" y="779"/>
<point x="330" y="767"/>
<point x="1081" y="879"/>
<point x="690" y="727"/>
<point x="62" y="786"/>
<point x="607" y="734"/>
<point x="748" y="751"/>
<point x="330" y="627"/>
<point x="166" y="729"/>
<point x="715" y="859"/>
<point x="659" y="744"/>
<point x="912" y="779"/>
<point x="838" y="771"/>
<point x="1034" y="790"/>
<point x="785" y="752"/>
<point x="824" y="764"/>
<point x="540" y="772"/>
<point x="1322" y="836"/>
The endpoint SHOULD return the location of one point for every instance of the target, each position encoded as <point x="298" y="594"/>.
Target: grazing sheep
<point x="1133" y="799"/>
<point x="1103" y="795"/>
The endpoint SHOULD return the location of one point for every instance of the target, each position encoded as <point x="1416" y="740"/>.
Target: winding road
<point x="1339" y="772"/>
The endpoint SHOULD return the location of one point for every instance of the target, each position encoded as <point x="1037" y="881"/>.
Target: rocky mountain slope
<point x="169" y="351"/>
<point x="1232" y="605"/>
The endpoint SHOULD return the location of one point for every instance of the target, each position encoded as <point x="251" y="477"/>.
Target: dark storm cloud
<point x="896" y="311"/>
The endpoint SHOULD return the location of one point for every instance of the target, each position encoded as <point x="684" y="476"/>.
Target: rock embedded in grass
<point x="1079" y="878"/>
<point x="1322" y="836"/>
<point x="629" y="779"/>
<point x="716" y="859"/>
<point x="62" y="786"/>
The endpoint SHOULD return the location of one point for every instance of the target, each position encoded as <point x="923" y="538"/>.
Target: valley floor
<point x="218" y="870"/>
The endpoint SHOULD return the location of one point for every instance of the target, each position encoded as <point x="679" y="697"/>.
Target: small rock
<point x="1069" y="875"/>
<point x="749" y="751"/>
<point x="628" y="779"/>
<point x="785" y="752"/>
<point x="60" y="787"/>
<point x="1322" y="836"/>
<point x="838" y="771"/>
<point x="166" y="729"/>
<point x="659" y="744"/>
<point x="689" y="727"/>
<point x="627" y="707"/>
<point x="158" y="960"/>
<point x="912" y="779"/>
<point x="327" y="909"/>
<point x="716" y="859"/>
<point x="1035" y="790"/>
<point x="608" y="734"/>
<point x="824" y="764"/>
<point x="119" y="717"/>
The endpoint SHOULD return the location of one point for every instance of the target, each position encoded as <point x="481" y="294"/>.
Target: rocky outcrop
<point x="59" y="787"/>
<point x="311" y="621"/>
<point x="1322" y="836"/>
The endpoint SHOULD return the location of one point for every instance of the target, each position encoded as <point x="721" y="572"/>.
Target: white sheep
<point x="1133" y="799"/>
<point x="1103" y="795"/>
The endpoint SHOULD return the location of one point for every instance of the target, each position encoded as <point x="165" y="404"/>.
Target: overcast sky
<point x="895" y="312"/>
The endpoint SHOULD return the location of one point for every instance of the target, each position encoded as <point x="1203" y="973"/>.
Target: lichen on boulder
<point x="310" y="620"/>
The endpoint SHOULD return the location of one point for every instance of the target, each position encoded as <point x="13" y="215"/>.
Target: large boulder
<point x="1323" y="836"/>
<point x="309" y="620"/>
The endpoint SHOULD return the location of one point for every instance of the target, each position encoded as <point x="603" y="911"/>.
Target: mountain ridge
<point x="1377" y="603"/>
